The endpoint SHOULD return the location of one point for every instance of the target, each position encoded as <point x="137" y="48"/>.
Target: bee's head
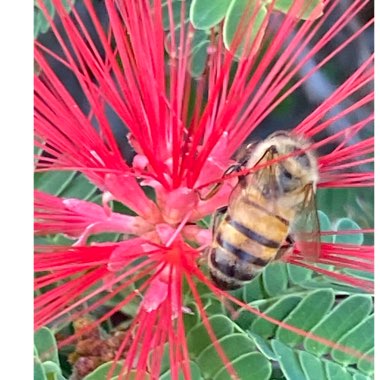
<point x="292" y="173"/>
<point x="296" y="171"/>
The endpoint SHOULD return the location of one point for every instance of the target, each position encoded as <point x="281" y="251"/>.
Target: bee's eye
<point x="286" y="180"/>
<point x="286" y="174"/>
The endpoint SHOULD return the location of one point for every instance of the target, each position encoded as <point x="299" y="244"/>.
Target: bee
<point x="269" y="210"/>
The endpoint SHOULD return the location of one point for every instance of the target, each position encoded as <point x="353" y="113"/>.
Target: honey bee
<point x="268" y="211"/>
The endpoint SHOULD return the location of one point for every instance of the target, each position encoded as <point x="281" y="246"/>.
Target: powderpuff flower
<point x="184" y="130"/>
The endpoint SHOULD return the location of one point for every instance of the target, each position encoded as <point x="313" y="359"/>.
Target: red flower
<point x="184" y="132"/>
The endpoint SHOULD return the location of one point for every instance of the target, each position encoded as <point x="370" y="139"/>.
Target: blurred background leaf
<point x="41" y="24"/>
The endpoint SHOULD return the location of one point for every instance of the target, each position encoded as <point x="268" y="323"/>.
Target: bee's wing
<point x="305" y="229"/>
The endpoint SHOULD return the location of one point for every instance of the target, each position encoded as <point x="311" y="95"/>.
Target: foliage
<point x="207" y="14"/>
<point x="101" y="372"/>
<point x="205" y="17"/>
<point x="355" y="204"/>
<point x="322" y="312"/>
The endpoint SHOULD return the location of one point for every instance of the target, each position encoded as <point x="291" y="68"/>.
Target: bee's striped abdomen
<point x="241" y="247"/>
<point x="252" y="235"/>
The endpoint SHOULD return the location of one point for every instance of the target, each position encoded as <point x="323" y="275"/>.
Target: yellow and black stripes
<point x="239" y="251"/>
<point x="251" y="203"/>
<point x="252" y="235"/>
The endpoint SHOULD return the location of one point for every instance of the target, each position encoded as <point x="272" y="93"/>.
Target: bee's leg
<point x="268" y="155"/>
<point x="211" y="193"/>
<point x="286" y="248"/>
<point x="289" y="240"/>
<point x="233" y="168"/>
<point x="216" y="187"/>
<point x="237" y="168"/>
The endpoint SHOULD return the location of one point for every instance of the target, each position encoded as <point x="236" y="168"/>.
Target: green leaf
<point x="336" y="372"/>
<point x="305" y="12"/>
<point x="103" y="371"/>
<point x="299" y="275"/>
<point x="50" y="366"/>
<point x="176" y="11"/>
<point x="361" y="338"/>
<point x="53" y="182"/>
<point x="263" y="346"/>
<point x="288" y="360"/>
<point x="41" y="24"/>
<point x="104" y="238"/>
<point x="39" y="373"/>
<point x="356" y="204"/>
<point x="278" y="311"/>
<point x="254" y="290"/>
<point x="80" y="187"/>
<point x="233" y="345"/>
<point x="306" y="314"/>
<point x="46" y="345"/>
<point x="190" y="320"/>
<point x="238" y="26"/>
<point x="335" y="324"/>
<point x="132" y="375"/>
<point x="206" y="14"/>
<point x="67" y="184"/>
<point x="325" y="225"/>
<point x="322" y="282"/>
<point x="131" y="307"/>
<point x="199" y="59"/>
<point x="297" y="364"/>
<point x="199" y="37"/>
<point x="360" y="274"/>
<point x="213" y="306"/>
<point x="366" y="365"/>
<point x="165" y="361"/>
<point x="247" y="365"/>
<point x="348" y="224"/>
<point x="195" y="373"/>
<point x="275" y="278"/>
<point x="245" y="318"/>
<point x="198" y="338"/>
<point x="52" y="371"/>
<point x="359" y="376"/>
<point x="312" y="366"/>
